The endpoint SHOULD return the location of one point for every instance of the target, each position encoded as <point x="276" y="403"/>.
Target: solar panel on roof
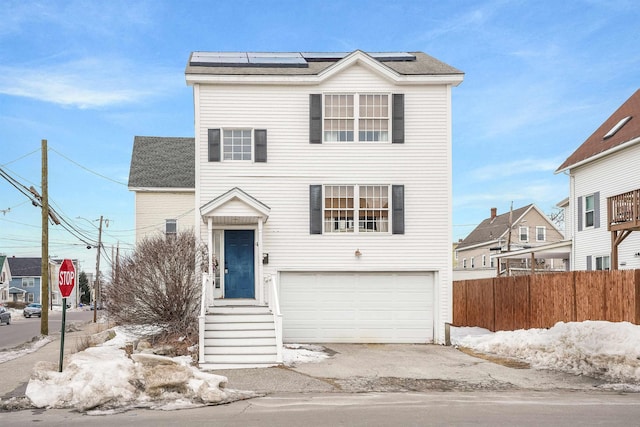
<point x="228" y="59"/>
<point x="393" y="56"/>
<point x="282" y="59"/>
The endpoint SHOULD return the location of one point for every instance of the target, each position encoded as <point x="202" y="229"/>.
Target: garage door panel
<point x="357" y="307"/>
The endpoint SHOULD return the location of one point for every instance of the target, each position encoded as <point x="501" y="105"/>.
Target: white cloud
<point x="88" y="83"/>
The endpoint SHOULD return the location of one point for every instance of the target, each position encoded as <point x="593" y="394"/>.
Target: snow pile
<point x="293" y="354"/>
<point x="595" y="348"/>
<point x="107" y="377"/>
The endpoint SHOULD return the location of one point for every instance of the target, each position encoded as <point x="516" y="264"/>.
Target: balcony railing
<point x="623" y="211"/>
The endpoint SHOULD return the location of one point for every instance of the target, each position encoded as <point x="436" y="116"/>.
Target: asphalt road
<point x="22" y="330"/>
<point x="513" y="408"/>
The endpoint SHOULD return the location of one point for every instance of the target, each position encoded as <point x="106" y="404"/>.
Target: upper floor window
<point x="464" y="263"/>
<point x="348" y="115"/>
<point x="524" y="234"/>
<point x="541" y="233"/>
<point x="236" y="144"/>
<point x="171" y="227"/>
<point x="356" y="208"/>
<point x="473" y="262"/>
<point x="589" y="208"/>
<point x="28" y="282"/>
<point x="484" y="260"/>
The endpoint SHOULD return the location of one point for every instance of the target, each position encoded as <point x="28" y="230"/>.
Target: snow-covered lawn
<point x="600" y="349"/>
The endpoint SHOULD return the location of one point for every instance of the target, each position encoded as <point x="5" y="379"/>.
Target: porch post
<point x="210" y="246"/>
<point x="261" y="295"/>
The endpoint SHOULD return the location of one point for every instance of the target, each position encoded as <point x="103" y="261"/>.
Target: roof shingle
<point x="162" y="162"/>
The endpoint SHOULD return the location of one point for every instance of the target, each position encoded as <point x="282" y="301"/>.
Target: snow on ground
<point x="600" y="349"/>
<point x="294" y="354"/>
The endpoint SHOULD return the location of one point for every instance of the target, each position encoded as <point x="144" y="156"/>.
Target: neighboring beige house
<point x="162" y="175"/>
<point x="524" y="228"/>
<point x="603" y="209"/>
<point x="323" y="191"/>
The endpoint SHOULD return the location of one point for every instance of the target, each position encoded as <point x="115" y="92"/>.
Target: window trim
<point x="591" y="211"/>
<point x="544" y="233"/>
<point x="602" y="259"/>
<point x="520" y="233"/>
<point x="224" y="137"/>
<point x="28" y="282"/>
<point x="484" y="260"/>
<point x="356" y="117"/>
<point x="167" y="223"/>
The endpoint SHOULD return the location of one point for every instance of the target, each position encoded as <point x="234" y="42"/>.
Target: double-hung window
<point x="356" y="209"/>
<point x="524" y="234"/>
<point x="171" y="227"/>
<point x="541" y="233"/>
<point x="589" y="207"/>
<point x="365" y="116"/>
<point x="28" y="282"/>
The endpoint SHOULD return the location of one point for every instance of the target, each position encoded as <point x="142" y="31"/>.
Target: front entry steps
<point x="239" y="337"/>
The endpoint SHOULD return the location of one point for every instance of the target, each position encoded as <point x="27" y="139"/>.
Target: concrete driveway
<point x="402" y="367"/>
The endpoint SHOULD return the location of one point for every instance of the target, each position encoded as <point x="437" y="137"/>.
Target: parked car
<point x="33" y="309"/>
<point x="5" y="316"/>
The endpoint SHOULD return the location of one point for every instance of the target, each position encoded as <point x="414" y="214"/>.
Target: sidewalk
<point x="15" y="374"/>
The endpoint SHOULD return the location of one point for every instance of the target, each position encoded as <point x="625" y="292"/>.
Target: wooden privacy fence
<point x="542" y="300"/>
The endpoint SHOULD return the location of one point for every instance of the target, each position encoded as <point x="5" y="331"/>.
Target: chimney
<point x="494" y="212"/>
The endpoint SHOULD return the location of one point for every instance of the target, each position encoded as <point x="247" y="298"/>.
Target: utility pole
<point x="44" y="270"/>
<point x="96" y="288"/>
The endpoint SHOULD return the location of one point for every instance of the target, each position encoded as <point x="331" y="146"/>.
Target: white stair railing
<point x="204" y="302"/>
<point x="274" y="306"/>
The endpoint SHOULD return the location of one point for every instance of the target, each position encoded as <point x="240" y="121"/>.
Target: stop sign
<point x="66" y="278"/>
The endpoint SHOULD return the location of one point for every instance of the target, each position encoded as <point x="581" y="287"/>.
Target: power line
<point x="86" y="168"/>
<point x="22" y="157"/>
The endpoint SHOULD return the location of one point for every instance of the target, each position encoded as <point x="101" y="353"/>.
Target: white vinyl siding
<point x="611" y="175"/>
<point x="421" y="164"/>
<point x="153" y="208"/>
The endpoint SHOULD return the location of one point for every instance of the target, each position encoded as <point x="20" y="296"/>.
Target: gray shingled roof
<point x="162" y="162"/>
<point x="489" y="230"/>
<point x="25" y="267"/>
<point x="423" y="65"/>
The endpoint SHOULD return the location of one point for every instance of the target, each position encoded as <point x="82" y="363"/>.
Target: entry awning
<point x="235" y="207"/>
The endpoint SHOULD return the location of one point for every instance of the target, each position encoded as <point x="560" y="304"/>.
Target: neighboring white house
<point x="162" y="177"/>
<point x="604" y="187"/>
<point x="325" y="178"/>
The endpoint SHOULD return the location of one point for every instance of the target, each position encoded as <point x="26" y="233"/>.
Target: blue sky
<point x="540" y="77"/>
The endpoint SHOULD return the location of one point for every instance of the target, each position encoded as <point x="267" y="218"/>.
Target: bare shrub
<point x="157" y="284"/>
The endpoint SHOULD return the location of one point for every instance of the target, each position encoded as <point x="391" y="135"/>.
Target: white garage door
<point x="357" y="307"/>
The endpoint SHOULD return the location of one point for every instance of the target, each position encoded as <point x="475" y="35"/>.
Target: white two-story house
<point x="603" y="208"/>
<point x="323" y="190"/>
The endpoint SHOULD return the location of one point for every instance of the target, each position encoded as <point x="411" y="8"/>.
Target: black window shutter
<point x="315" y="209"/>
<point x="589" y="266"/>
<point x="315" y="118"/>
<point x="214" y="145"/>
<point x="397" y="114"/>
<point x="397" y="204"/>
<point x="260" y="142"/>
<point x="580" y="213"/>
<point x="596" y="210"/>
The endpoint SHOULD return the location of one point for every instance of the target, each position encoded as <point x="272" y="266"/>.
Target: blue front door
<point x="239" y="264"/>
